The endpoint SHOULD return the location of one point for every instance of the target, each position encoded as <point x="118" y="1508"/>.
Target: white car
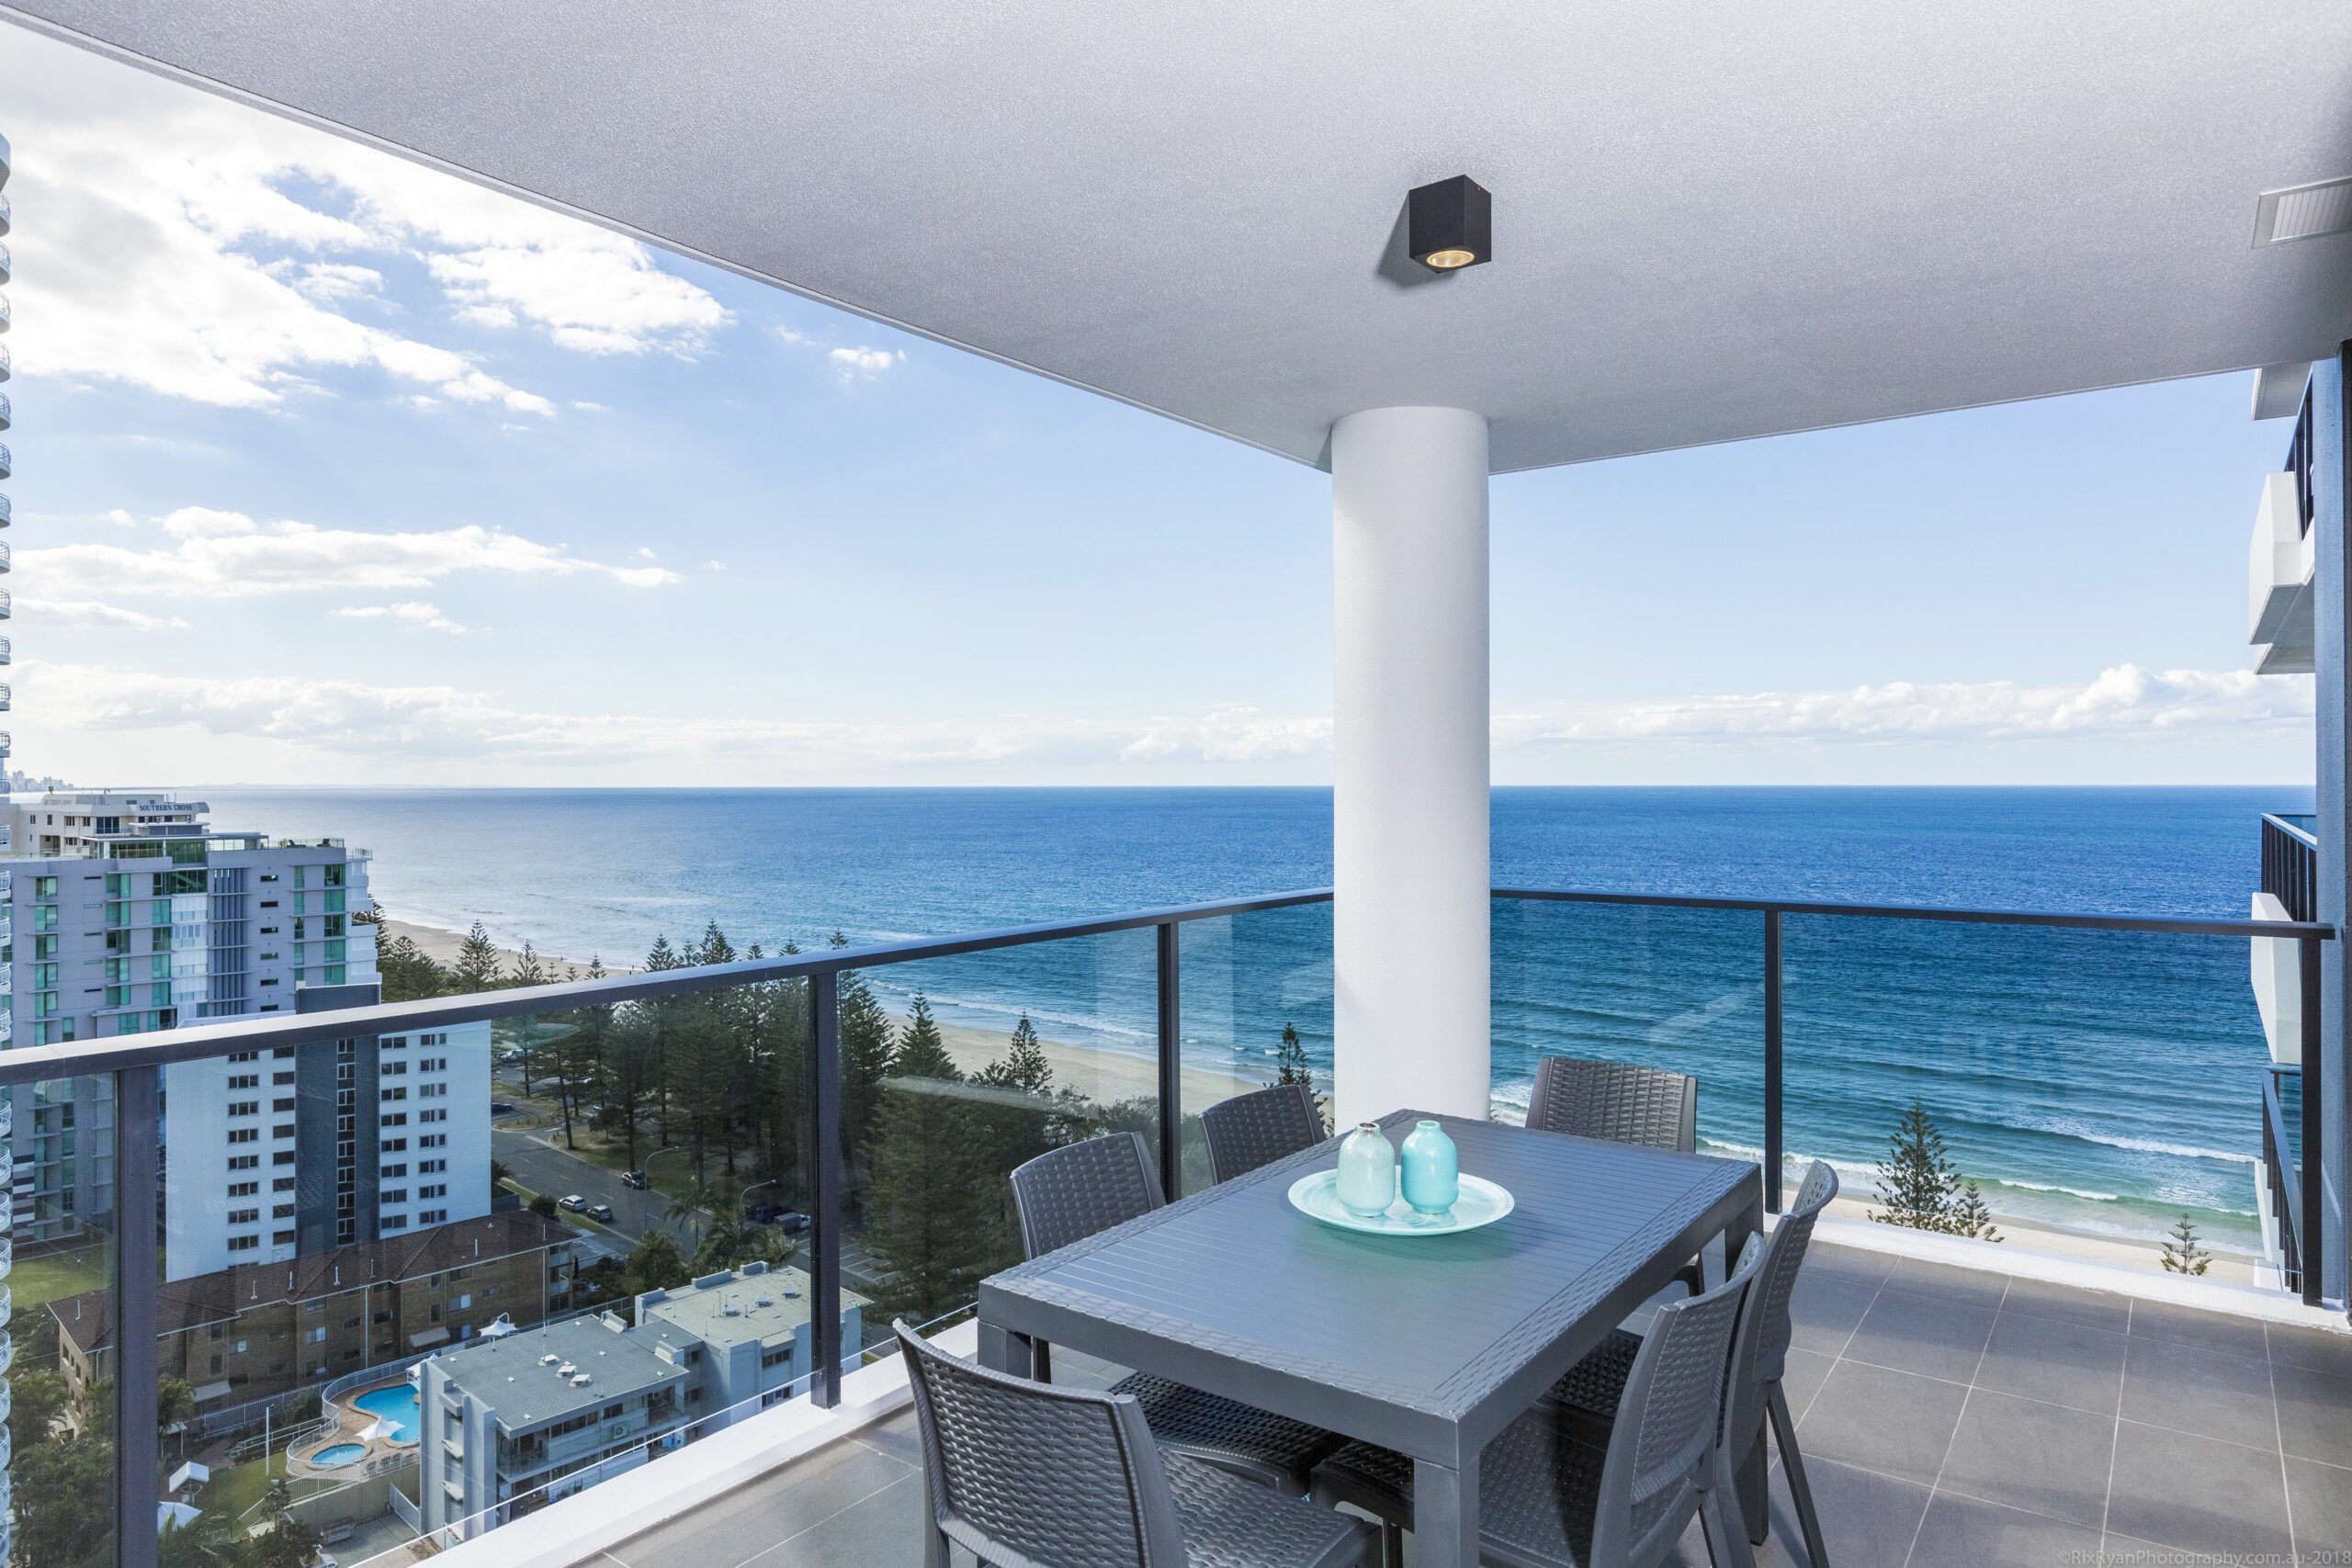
<point x="575" y="1203"/>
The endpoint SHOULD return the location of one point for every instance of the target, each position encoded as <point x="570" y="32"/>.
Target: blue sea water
<point x="2107" y="1082"/>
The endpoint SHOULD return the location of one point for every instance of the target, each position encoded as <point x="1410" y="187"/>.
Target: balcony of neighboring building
<point x="3" y="263"/>
<point x="6" y="460"/>
<point x="2280" y="562"/>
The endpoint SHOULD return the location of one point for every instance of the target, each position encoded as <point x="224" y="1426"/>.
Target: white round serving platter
<point x="1481" y="1203"/>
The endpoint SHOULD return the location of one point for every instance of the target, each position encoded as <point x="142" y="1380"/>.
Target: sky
<point x="334" y="470"/>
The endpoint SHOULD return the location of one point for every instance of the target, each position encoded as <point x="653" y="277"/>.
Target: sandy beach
<point x="1101" y="1075"/>
<point x="441" y="946"/>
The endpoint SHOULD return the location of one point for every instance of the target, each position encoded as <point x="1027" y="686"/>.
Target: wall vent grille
<point x="2303" y="213"/>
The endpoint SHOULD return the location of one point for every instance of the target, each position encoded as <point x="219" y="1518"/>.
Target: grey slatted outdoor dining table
<point x="1430" y="1345"/>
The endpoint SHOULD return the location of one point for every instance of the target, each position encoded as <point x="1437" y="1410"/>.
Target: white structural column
<point x="1410" y="858"/>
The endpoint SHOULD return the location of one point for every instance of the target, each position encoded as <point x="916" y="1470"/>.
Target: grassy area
<point x="237" y="1487"/>
<point x="37" y="1280"/>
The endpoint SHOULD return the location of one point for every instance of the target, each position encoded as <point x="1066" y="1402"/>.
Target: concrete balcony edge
<point x="2179" y="1289"/>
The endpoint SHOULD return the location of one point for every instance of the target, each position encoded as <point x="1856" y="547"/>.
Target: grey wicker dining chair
<point x="1068" y="1194"/>
<point x="1624" y="1104"/>
<point x="1616" y="1100"/>
<point x="1252" y="1130"/>
<point x="1022" y="1472"/>
<point x="1550" y="1496"/>
<point x="1597" y="1383"/>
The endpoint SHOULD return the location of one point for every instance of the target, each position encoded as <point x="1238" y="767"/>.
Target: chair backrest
<point x="1616" y="1100"/>
<point x="1252" y="1129"/>
<point x="1662" y="1448"/>
<point x="1022" y="1473"/>
<point x="1761" y="1354"/>
<point x="1067" y="1194"/>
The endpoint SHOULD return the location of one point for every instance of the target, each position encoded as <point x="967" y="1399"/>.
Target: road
<point x="546" y="1167"/>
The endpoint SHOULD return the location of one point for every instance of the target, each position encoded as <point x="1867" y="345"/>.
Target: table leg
<point x="1002" y="1350"/>
<point x="1445" y="1515"/>
<point x="1754" y="1501"/>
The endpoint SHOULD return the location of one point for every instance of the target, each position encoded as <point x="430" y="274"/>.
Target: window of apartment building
<point x="395" y="1222"/>
<point x="433" y="1217"/>
<point x="283" y="1156"/>
<point x="437" y="1189"/>
<point x="244" y="1216"/>
<point x="245" y="1135"/>
<point x="282" y="1132"/>
<point x="281" y="1210"/>
<point x="243" y="1189"/>
<point x="283" y="1104"/>
<point x="283" y="1051"/>
<point x="432" y="1091"/>
<point x="393" y="1119"/>
<point x="281" y="1077"/>
<point x="427" y="1167"/>
<point x="434" y="1141"/>
<point x="442" y="1115"/>
<point x="243" y="1243"/>
<point x="245" y="1080"/>
<point x="396" y="1195"/>
<point x="283" y="1238"/>
<point x="244" y="1056"/>
<point x="398" y="1091"/>
<point x="245" y="1108"/>
<point x="391" y="1173"/>
<point x="283" y="1184"/>
<point x="392" y="1069"/>
<point x="243" y="1162"/>
<point x="392" y="1146"/>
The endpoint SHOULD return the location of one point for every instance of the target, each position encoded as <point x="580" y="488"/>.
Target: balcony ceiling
<point x="1713" y="220"/>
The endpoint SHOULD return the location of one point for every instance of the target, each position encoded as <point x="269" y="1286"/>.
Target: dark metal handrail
<point x="2290" y="866"/>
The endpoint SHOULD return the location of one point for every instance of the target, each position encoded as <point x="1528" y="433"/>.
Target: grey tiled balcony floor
<point x="1950" y="1418"/>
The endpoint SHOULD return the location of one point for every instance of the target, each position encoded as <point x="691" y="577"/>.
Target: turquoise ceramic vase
<point x="1431" y="1170"/>
<point x="1367" y="1182"/>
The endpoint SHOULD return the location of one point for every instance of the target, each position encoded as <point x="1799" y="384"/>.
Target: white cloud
<point x="204" y="523"/>
<point x="413" y="612"/>
<point x="2125" y="700"/>
<point x="863" y="361"/>
<point x="331" y="282"/>
<point x="233" y="238"/>
<point x="586" y="407"/>
<point x="716" y="566"/>
<point x="88" y="614"/>
<point x="225" y="555"/>
<point x="357" y="722"/>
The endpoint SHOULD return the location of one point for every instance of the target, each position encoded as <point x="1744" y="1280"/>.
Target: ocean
<point x="2107" y="1083"/>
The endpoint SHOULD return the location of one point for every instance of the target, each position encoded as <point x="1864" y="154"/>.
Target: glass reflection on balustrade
<point x="2082" y="1092"/>
<point x="1256" y="995"/>
<point x="956" y="1070"/>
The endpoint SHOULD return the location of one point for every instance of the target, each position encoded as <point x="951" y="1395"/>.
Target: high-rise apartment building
<point x="132" y="914"/>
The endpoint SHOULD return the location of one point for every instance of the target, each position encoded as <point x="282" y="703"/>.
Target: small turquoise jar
<point x="1431" y="1170"/>
<point x="1367" y="1181"/>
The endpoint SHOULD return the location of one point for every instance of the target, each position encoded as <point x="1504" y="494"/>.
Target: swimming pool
<point x="338" y="1455"/>
<point x="395" y="1405"/>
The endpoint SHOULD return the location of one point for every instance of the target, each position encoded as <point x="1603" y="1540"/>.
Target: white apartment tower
<point x="133" y="915"/>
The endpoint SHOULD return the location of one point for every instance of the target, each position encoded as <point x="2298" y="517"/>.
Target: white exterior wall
<point x="458" y="1092"/>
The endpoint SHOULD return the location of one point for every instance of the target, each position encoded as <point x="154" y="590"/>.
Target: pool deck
<point x="352" y="1420"/>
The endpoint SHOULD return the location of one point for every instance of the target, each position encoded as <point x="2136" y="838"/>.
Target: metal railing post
<point x="138" y="1186"/>
<point x="825" y="1106"/>
<point x="1171" y="1061"/>
<point x="2310" y="1247"/>
<point x="1773" y="1154"/>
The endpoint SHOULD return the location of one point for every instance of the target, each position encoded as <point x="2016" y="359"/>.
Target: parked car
<point x="572" y="1202"/>
<point x="791" y="1221"/>
<point x="762" y="1214"/>
<point x="601" y="1212"/>
<point x="501" y="1108"/>
<point x="634" y="1179"/>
